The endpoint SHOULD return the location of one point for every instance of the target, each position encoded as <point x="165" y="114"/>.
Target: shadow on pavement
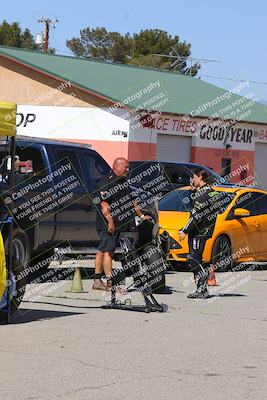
<point x="178" y="291"/>
<point x="227" y="295"/>
<point x="23" y="315"/>
<point x="166" y="290"/>
<point x="64" y="305"/>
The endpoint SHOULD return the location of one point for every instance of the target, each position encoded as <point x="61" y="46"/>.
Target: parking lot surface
<point x="65" y="346"/>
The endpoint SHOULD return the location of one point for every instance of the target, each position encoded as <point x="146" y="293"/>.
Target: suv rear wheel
<point x="16" y="287"/>
<point x="21" y="247"/>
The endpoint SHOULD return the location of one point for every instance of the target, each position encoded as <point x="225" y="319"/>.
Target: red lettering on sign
<point x="188" y="126"/>
<point x="193" y="127"/>
<point x="182" y="126"/>
<point x="159" y="123"/>
<point x="165" y="124"/>
<point x="175" y="124"/>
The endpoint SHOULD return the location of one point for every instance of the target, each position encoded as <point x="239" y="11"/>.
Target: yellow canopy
<point x="7" y="128"/>
<point x="8" y="119"/>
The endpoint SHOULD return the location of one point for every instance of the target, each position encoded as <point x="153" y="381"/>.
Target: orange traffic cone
<point x="212" y="278"/>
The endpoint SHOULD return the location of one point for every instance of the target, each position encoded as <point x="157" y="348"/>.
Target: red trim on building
<point x="212" y="157"/>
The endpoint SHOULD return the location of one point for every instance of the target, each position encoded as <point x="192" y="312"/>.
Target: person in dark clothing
<point x="207" y="204"/>
<point x="116" y="210"/>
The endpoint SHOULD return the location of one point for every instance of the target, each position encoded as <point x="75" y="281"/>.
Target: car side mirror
<point x="241" y="212"/>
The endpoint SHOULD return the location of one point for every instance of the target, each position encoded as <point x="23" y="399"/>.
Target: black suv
<point x="174" y="174"/>
<point x="53" y="200"/>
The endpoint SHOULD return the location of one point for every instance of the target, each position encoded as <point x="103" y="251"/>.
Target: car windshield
<point x="145" y="171"/>
<point x="182" y="200"/>
<point x="178" y="200"/>
<point x="174" y="173"/>
<point x="219" y="179"/>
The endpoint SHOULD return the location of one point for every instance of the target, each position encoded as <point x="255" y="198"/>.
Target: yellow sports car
<point x="240" y="233"/>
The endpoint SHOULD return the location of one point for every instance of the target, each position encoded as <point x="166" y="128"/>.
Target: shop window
<point x="243" y="174"/>
<point x="226" y="166"/>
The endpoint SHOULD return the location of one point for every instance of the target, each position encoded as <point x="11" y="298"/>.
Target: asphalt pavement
<point x="63" y="345"/>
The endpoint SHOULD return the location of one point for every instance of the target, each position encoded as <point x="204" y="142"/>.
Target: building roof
<point x="124" y="83"/>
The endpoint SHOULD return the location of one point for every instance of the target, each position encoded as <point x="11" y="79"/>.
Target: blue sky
<point x="231" y="31"/>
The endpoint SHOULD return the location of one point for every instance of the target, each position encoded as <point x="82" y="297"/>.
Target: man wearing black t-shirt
<point x="116" y="210"/>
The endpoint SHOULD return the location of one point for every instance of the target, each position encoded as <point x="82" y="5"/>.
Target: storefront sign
<point x="67" y="123"/>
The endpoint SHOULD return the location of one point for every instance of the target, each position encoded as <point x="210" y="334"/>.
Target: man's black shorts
<point x="107" y="242"/>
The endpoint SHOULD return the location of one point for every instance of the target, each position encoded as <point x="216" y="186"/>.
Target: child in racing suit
<point x="206" y="206"/>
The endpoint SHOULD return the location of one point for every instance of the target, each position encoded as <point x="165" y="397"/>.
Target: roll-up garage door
<point x="261" y="164"/>
<point x="174" y="148"/>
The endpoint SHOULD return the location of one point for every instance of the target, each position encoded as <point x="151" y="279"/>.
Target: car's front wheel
<point x="222" y="256"/>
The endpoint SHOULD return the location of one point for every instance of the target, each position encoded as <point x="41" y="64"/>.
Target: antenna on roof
<point x="179" y="59"/>
<point x="42" y="40"/>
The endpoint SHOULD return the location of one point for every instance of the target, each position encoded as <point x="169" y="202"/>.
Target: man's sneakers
<point x="99" y="285"/>
<point x="198" y="295"/>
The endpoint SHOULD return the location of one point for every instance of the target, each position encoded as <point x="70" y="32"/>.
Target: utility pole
<point x="47" y="29"/>
<point x="47" y="23"/>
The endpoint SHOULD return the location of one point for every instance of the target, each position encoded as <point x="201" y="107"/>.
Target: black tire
<point x="17" y="289"/>
<point x="21" y="247"/>
<point x="43" y="259"/>
<point x="222" y="254"/>
<point x="156" y="268"/>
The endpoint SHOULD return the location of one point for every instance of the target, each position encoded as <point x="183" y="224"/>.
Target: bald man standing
<point x="116" y="213"/>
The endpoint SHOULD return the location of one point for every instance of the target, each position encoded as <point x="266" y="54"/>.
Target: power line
<point x="184" y="59"/>
<point x="201" y="76"/>
<point x="65" y="52"/>
<point x="233" y="79"/>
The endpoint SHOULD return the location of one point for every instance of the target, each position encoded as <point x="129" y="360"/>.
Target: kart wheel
<point x="156" y="268"/>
